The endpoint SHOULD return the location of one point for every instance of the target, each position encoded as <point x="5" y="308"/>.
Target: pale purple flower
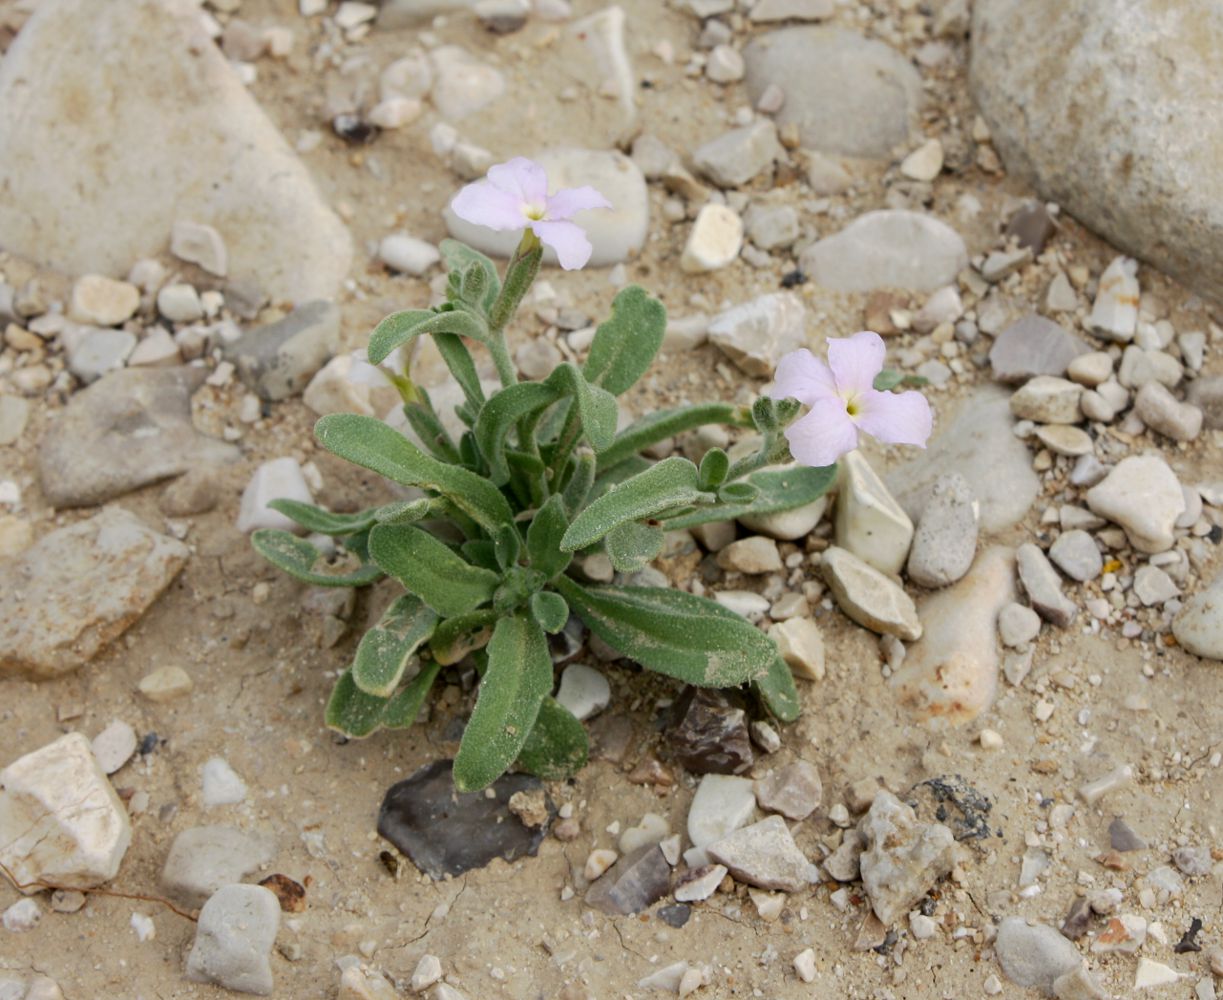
<point x="515" y="196"/>
<point x="844" y="402"/>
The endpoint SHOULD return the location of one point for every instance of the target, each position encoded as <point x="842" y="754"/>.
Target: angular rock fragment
<point x="765" y="855"/>
<point x="903" y="859"/>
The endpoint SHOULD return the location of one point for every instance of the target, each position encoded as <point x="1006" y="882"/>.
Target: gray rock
<point x="768" y="11"/>
<point x="891" y="248"/>
<point x="14" y="412"/>
<point x="1153" y="586"/>
<point x="127" y="430"/>
<point x="765" y="855"/>
<point x="868" y="597"/>
<point x="1207" y="395"/>
<point x="234" y="938"/>
<point x="278" y="360"/>
<point x="1005" y="486"/>
<point x="1199" y="626"/>
<point x="794" y="790"/>
<point x="722" y="803"/>
<point x="1139" y="366"/>
<point x="756" y="334"/>
<point x="1017" y="626"/>
<point x="737" y="156"/>
<point x="1194" y="861"/>
<point x="633" y="883"/>
<point x="1034" y="955"/>
<point x="1121" y="837"/>
<point x="79" y="588"/>
<point x="903" y="858"/>
<point x="847" y="94"/>
<point x="98" y="351"/>
<point x="1118" y="143"/>
<point x="1048" y="400"/>
<point x="772" y="227"/>
<point x="844" y="864"/>
<point x="1079" y="984"/>
<point x="98" y="187"/>
<point x="945" y="541"/>
<point x="1033" y="346"/>
<point x="205" y="858"/>
<point x="1143" y="495"/>
<point x="1044" y="586"/>
<point x="1163" y="412"/>
<point x="1075" y="553"/>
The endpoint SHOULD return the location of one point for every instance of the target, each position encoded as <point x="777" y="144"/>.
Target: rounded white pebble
<point x="598" y="862"/>
<point x="990" y="739"/>
<point x="804" y="965"/>
<point x="428" y="971"/>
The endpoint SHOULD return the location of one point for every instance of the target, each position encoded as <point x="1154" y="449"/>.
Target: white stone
<point x="1154" y="586"/>
<point x="351" y="14"/>
<point x="199" y="244"/>
<point x="722" y="803"/>
<point x="725" y="65"/>
<point x="428" y="971"/>
<point x="157" y="350"/>
<point x="715" y="239"/>
<point x="1090" y="369"/>
<point x="99" y="351"/>
<point x="1114" y="314"/>
<point x="736" y="157"/>
<point x="1151" y="974"/>
<point x="60" y="819"/>
<point x="868" y="597"/>
<point x="1199" y="625"/>
<point x="410" y="77"/>
<point x="22" y="916"/>
<point x="1138" y="367"/>
<point x="462" y="83"/>
<point x="788" y="525"/>
<point x="756" y="334"/>
<point x="1018" y="625"/>
<point x="220" y="784"/>
<point x="925" y="162"/>
<point x="407" y="254"/>
<point x="279" y="478"/>
<point x="234" y="939"/>
<point x="651" y="829"/>
<point x="395" y="112"/>
<point x="801" y="645"/>
<point x="102" y="301"/>
<point x="869" y="522"/>
<point x="584" y="691"/>
<point x="752" y="555"/>
<point x="1048" y="399"/>
<point x="114" y="746"/>
<point x="887" y="249"/>
<point x="598" y="861"/>
<point x="1143" y="495"/>
<point x="804" y="965"/>
<point x="165" y="684"/>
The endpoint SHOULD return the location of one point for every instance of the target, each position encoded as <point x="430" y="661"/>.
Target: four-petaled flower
<point x="515" y="196"/>
<point x="844" y="402"/>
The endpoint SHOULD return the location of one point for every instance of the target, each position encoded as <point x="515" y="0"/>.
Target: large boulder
<point x="115" y="124"/>
<point x="1112" y="110"/>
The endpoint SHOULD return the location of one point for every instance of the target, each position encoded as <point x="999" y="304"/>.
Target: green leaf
<point x="549" y="610"/>
<point x="401" y="327"/>
<point x="596" y="406"/>
<point x="300" y="559"/>
<point x="371" y="444"/>
<point x="544" y="538"/>
<point x="351" y="711"/>
<point x="460" y="257"/>
<point x="888" y="379"/>
<point x="557" y="747"/>
<point x="458" y="359"/>
<point x="518" y="678"/>
<point x="314" y="518"/>
<point x="507" y="546"/>
<point x="667" y="423"/>
<point x="581" y="479"/>
<point x="671" y="483"/>
<point x="632" y="545"/>
<point x="431" y="570"/>
<point x="499" y="416"/>
<point x="481" y="552"/>
<point x="386" y="649"/>
<point x="624" y="346"/>
<point x="778" y="489"/>
<point x="776" y="689"/>
<point x="674" y="632"/>
<point x="456" y="637"/>
<point x="410" y="511"/>
<point x="401" y="711"/>
<point x="517" y="585"/>
<point x="430" y="430"/>
<point x="713" y="469"/>
<point x="738" y="493"/>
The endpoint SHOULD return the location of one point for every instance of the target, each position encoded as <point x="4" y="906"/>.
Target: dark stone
<point x="1031" y="225"/>
<point x="610" y="736"/>
<point x="708" y="734"/>
<point x="632" y="884"/>
<point x="1189" y="940"/>
<point x="1033" y="346"/>
<point x="952" y="801"/>
<point x="1122" y="837"/>
<point x="446" y="833"/>
<point x="1077" y="920"/>
<point x="279" y="359"/>
<point x="676" y="915"/>
<point x="353" y="129"/>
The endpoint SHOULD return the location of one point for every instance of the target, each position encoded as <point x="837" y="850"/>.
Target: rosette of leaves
<point x="540" y="474"/>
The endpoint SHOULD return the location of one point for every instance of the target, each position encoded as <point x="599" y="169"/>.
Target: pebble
<point x="1034" y="346"/>
<point x="278" y="360"/>
<point x="1143" y="496"/>
<point x="428" y="971"/>
<point x="715" y="240"/>
<point x="794" y="790"/>
<point x="755" y="336"/>
<point x="1034" y="955"/>
<point x="1207" y="394"/>
<point x="633" y="883"/>
<point x="1163" y="412"/>
<point x="202" y="859"/>
<point x="395" y="112"/>
<point x="765" y="855"/>
<point x="279" y="478"/>
<point x="1154" y="586"/>
<point x="196" y="492"/>
<point x="709" y="735"/>
<point x="462" y="83"/>
<point x="114" y="746"/>
<point x="725" y="65"/>
<point x="1151" y="974"/>
<point x="1093" y="791"/>
<point x="990" y="739"/>
<point x="358" y="983"/>
<point x="925" y="162"/>
<point x="14" y="413"/>
<point x="1018" y="625"/>
<point x="199" y="244"/>
<point x="234" y="938"/>
<point x="1139" y="367"/>
<point x="1047" y="399"/>
<point x="60" y="819"/>
<point x="598" y="862"/>
<point x="945" y="540"/>
<point x="407" y="254"/>
<point x="868" y="597"/>
<point x="801" y="644"/>
<point x="23" y="915"/>
<point x="699" y="883"/>
<point x="869" y="522"/>
<point x="902" y="859"/>
<point x="753" y="556"/>
<point x="99" y="351"/>
<point x="1078" y="984"/>
<point x="584" y="691"/>
<point x="102" y="301"/>
<point x="1195" y="861"/>
<point x="768" y="11"/>
<point x="1122" y="837"/>
<point x="772" y="227"/>
<point x="1076" y="554"/>
<point x="889" y="248"/>
<point x="165" y="684"/>
<point x="220" y="784"/>
<point x="804" y="965"/>
<point x="1090" y="369"/>
<point x="787" y="525"/>
<point x="1044" y="586"/>
<point x="650" y="829"/>
<point x="736" y="157"/>
<point x="1199" y="625"/>
<point x="944" y="306"/>
<point x="1000" y="264"/>
<point x="722" y="804"/>
<point x="157" y="350"/>
<point x="1114" y="314"/>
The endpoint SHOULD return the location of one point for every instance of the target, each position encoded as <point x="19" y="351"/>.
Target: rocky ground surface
<point x="1006" y="776"/>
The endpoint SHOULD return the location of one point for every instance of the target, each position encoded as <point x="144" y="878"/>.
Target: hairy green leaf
<point x="460" y="257"/>
<point x="410" y="511"/>
<point x="776" y="689"/>
<point x="300" y="559"/>
<point x="518" y="678"/>
<point x="625" y="345"/>
<point x="388" y="647"/>
<point x="517" y="584"/>
<point x="632" y="545"/>
<point x="581" y="479"/>
<point x="499" y="416"/>
<point x="669" y="484"/>
<point x="401" y="327"/>
<point x="778" y="489"/>
<point x="458" y="359"/>
<point x="888" y="379"/>
<point x="456" y="637"/>
<point x="596" y="406"/>
<point x="738" y="493"/>
<point x="549" y="610"/>
<point x="403" y="708"/>
<point x="351" y="711"/>
<point x="314" y="518"/>
<point x="431" y="570"/>
<point x="557" y="747"/>
<point x="544" y="538"/>
<point x="431" y="431"/>
<point x="667" y="423"/>
<point x="673" y="632"/>
<point x="713" y="469"/>
<point x="507" y="546"/>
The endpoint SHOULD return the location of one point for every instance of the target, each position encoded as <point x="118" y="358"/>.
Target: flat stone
<point x="1048" y="400"/>
<point x="1161" y="411"/>
<point x="753" y="555"/>
<point x="801" y="645"/>
<point x="279" y="359"/>
<point x="127" y="430"/>
<point x="857" y="97"/>
<point x="197" y="243"/>
<point x="1044" y="586"/>
<point x="445" y="833"/>
<point x="903" y="858"/>
<point x="615" y="234"/>
<point x="1018" y="625"/>
<point x="98" y="351"/>
<point x="945" y="540"/>
<point x="756" y="334"/>
<point x="277" y="479"/>
<point x="709" y="735"/>
<point x="1034" y="955"/>
<point x="1199" y="626"/>
<point x="1065" y="439"/>
<point x="96" y="187"/>
<point x="925" y="162"/>
<point x="234" y="939"/>
<point x="205" y="858"/>
<point x="890" y="248"/>
<point x="714" y="241"/>
<point x="165" y="684"/>
<point x="78" y="589"/>
<point x="1075" y="553"/>
<point x="868" y="597"/>
<point x="772" y="227"/>
<point x="1033" y="346"/>
<point x="1143" y="495"/>
<point x="1153" y="586"/>
<point x="869" y="522"/>
<point x="951" y="675"/>
<point x="699" y="883"/>
<point x="584" y="691"/>
<point x="220" y="784"/>
<point x="114" y="746"/>
<point x="632" y="884"/>
<point x="737" y="156"/>
<point x="195" y="492"/>
<point x="1121" y="837"/>
<point x="787" y="525"/>
<point x="769" y="11"/>
<point x="462" y="83"/>
<point x="158" y="349"/>
<point x="1140" y="366"/>
<point x="14" y="414"/>
<point x="102" y="301"/>
<point x="722" y="804"/>
<point x="407" y="254"/>
<point x="765" y="855"/>
<point x="794" y="790"/>
<point x="1207" y="395"/>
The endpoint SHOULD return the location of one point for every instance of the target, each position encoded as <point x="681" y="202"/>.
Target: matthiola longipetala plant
<point x="541" y="474"/>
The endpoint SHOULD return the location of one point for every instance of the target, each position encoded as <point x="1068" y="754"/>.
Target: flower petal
<point x="823" y="435"/>
<point x="565" y="203"/>
<point x="523" y="178"/>
<point x="803" y="376"/>
<point x="895" y="417"/>
<point x="569" y="241"/>
<point x="856" y="360"/>
<point x="483" y="204"/>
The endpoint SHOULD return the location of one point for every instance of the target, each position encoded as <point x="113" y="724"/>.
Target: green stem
<point x="500" y="351"/>
<point x="565" y="443"/>
<point x="750" y="463"/>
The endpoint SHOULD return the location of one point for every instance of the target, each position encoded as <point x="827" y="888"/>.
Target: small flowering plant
<point x="541" y="475"/>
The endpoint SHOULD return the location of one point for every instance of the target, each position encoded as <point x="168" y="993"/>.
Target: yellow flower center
<point x="534" y="211"/>
<point x="852" y="406"/>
